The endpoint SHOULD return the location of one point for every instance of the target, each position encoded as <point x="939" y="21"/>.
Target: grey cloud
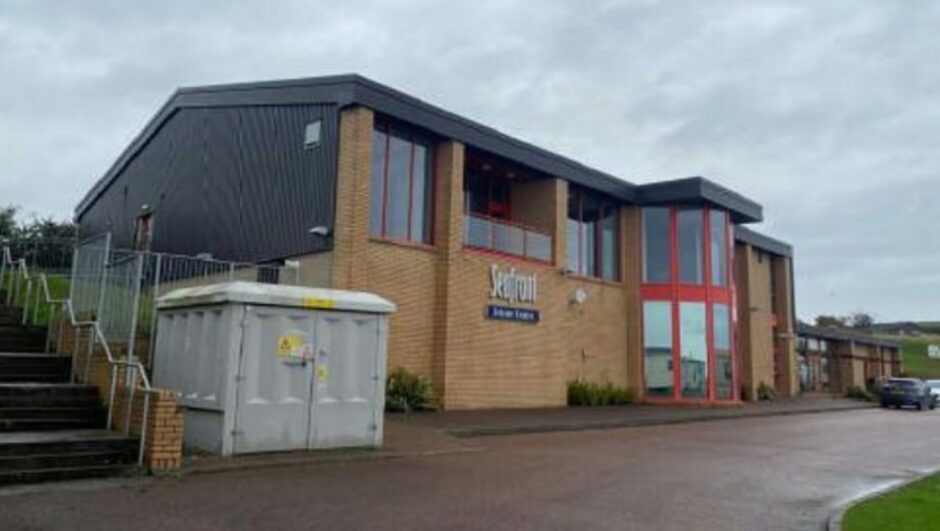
<point x="825" y="112"/>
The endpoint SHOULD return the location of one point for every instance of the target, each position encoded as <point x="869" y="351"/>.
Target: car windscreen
<point x="902" y="384"/>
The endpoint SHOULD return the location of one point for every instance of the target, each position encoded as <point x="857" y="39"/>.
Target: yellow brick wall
<point x="442" y="290"/>
<point x="163" y="448"/>
<point x="755" y="333"/>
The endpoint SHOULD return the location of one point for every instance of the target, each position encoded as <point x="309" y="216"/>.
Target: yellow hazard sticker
<point x="322" y="373"/>
<point x="290" y="346"/>
<point x="317" y="302"/>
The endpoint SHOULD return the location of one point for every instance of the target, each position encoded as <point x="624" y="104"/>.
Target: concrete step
<point x="43" y="394"/>
<point x="28" y="457"/>
<point x="20" y="477"/>
<point x="48" y="412"/>
<point x="50" y="423"/>
<point x="33" y="367"/>
<point x="17" y="338"/>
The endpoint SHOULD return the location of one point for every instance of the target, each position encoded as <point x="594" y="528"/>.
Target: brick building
<point x="834" y="360"/>
<point x="515" y="270"/>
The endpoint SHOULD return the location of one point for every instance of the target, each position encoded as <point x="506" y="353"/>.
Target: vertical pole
<point x="102" y="277"/>
<point x="73" y="280"/>
<point x="145" y="417"/>
<point x="91" y="349"/>
<point x="155" y="293"/>
<point x="111" y="396"/>
<point x="131" y="385"/>
<point x="135" y="309"/>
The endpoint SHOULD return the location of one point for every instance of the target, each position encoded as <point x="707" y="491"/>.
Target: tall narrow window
<point x="592" y="235"/>
<point x="719" y="247"/>
<point x="721" y="323"/>
<point x="656" y="268"/>
<point x="657" y="348"/>
<point x="693" y="341"/>
<point x="401" y="187"/>
<point x="691" y="246"/>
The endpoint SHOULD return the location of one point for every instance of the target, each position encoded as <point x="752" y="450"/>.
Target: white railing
<point x="19" y="281"/>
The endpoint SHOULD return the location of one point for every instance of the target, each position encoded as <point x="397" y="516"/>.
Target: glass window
<point x="312" y="134"/>
<point x="693" y="341"/>
<point x="379" y="147"/>
<point x="691" y="246"/>
<point x="609" y="254"/>
<point x="656" y="268"/>
<point x="573" y="248"/>
<point x="420" y="198"/>
<point x="401" y="188"/>
<point x="719" y="247"/>
<point x="721" y="323"/>
<point x="399" y="183"/>
<point x="657" y="348"/>
<point x="592" y="236"/>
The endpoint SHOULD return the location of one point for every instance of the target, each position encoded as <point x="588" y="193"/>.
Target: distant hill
<point x="907" y="328"/>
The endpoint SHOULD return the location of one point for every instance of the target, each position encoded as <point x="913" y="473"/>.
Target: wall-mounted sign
<point x="507" y="313"/>
<point x="513" y="287"/>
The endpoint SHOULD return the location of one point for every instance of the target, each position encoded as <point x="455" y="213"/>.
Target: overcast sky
<point x="825" y="112"/>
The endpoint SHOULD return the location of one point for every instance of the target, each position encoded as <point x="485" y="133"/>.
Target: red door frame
<point x="675" y="293"/>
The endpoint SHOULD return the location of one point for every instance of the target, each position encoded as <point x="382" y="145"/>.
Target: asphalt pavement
<point x="784" y="472"/>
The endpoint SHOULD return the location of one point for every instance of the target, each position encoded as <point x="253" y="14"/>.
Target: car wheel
<point x="884" y="405"/>
<point x="920" y="406"/>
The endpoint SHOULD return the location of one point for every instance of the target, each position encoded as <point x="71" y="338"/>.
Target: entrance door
<point x="274" y="387"/>
<point x="345" y="381"/>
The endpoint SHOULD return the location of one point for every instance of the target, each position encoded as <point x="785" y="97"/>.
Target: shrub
<point x="407" y="392"/>
<point x="582" y="393"/>
<point x="765" y="392"/>
<point x="859" y="393"/>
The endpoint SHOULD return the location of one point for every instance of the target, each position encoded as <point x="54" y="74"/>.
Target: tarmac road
<point x="758" y="473"/>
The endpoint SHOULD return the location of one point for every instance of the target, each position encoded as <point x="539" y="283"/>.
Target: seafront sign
<point x="512" y="287"/>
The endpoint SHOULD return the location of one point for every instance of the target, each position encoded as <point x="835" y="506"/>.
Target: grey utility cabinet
<point x="272" y="368"/>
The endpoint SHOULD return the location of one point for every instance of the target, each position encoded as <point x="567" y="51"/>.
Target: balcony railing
<point x="506" y="237"/>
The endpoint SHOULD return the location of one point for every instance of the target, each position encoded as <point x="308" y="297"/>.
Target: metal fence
<point x="52" y="256"/>
<point x="119" y="288"/>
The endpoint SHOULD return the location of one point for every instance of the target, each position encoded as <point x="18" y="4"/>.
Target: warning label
<point x="290" y="346"/>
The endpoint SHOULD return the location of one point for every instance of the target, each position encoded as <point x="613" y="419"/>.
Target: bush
<point x="765" y="392"/>
<point x="408" y="392"/>
<point x="581" y="393"/>
<point x="859" y="393"/>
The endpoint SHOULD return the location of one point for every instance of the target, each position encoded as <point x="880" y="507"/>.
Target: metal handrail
<point x="134" y="369"/>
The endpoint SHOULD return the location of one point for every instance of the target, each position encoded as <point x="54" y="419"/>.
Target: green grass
<point x="913" y="507"/>
<point x="916" y="362"/>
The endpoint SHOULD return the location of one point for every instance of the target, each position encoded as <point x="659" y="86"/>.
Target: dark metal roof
<point x="842" y="334"/>
<point x="353" y="89"/>
<point x="762" y="241"/>
<point x="700" y="189"/>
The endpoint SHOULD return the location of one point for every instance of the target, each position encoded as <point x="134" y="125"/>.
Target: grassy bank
<point x="912" y="507"/>
<point x="916" y="362"/>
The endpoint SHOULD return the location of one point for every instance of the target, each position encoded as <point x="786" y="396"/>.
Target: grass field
<point x="913" y="507"/>
<point x="916" y="362"/>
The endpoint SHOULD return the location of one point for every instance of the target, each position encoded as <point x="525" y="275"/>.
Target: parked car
<point x="934" y="388"/>
<point x="899" y="392"/>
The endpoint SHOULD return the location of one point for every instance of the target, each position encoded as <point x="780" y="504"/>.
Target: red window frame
<point x="413" y="140"/>
<point x="603" y="205"/>
<point x="675" y="293"/>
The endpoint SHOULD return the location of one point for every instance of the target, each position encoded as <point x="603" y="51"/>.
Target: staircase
<point x="50" y="429"/>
